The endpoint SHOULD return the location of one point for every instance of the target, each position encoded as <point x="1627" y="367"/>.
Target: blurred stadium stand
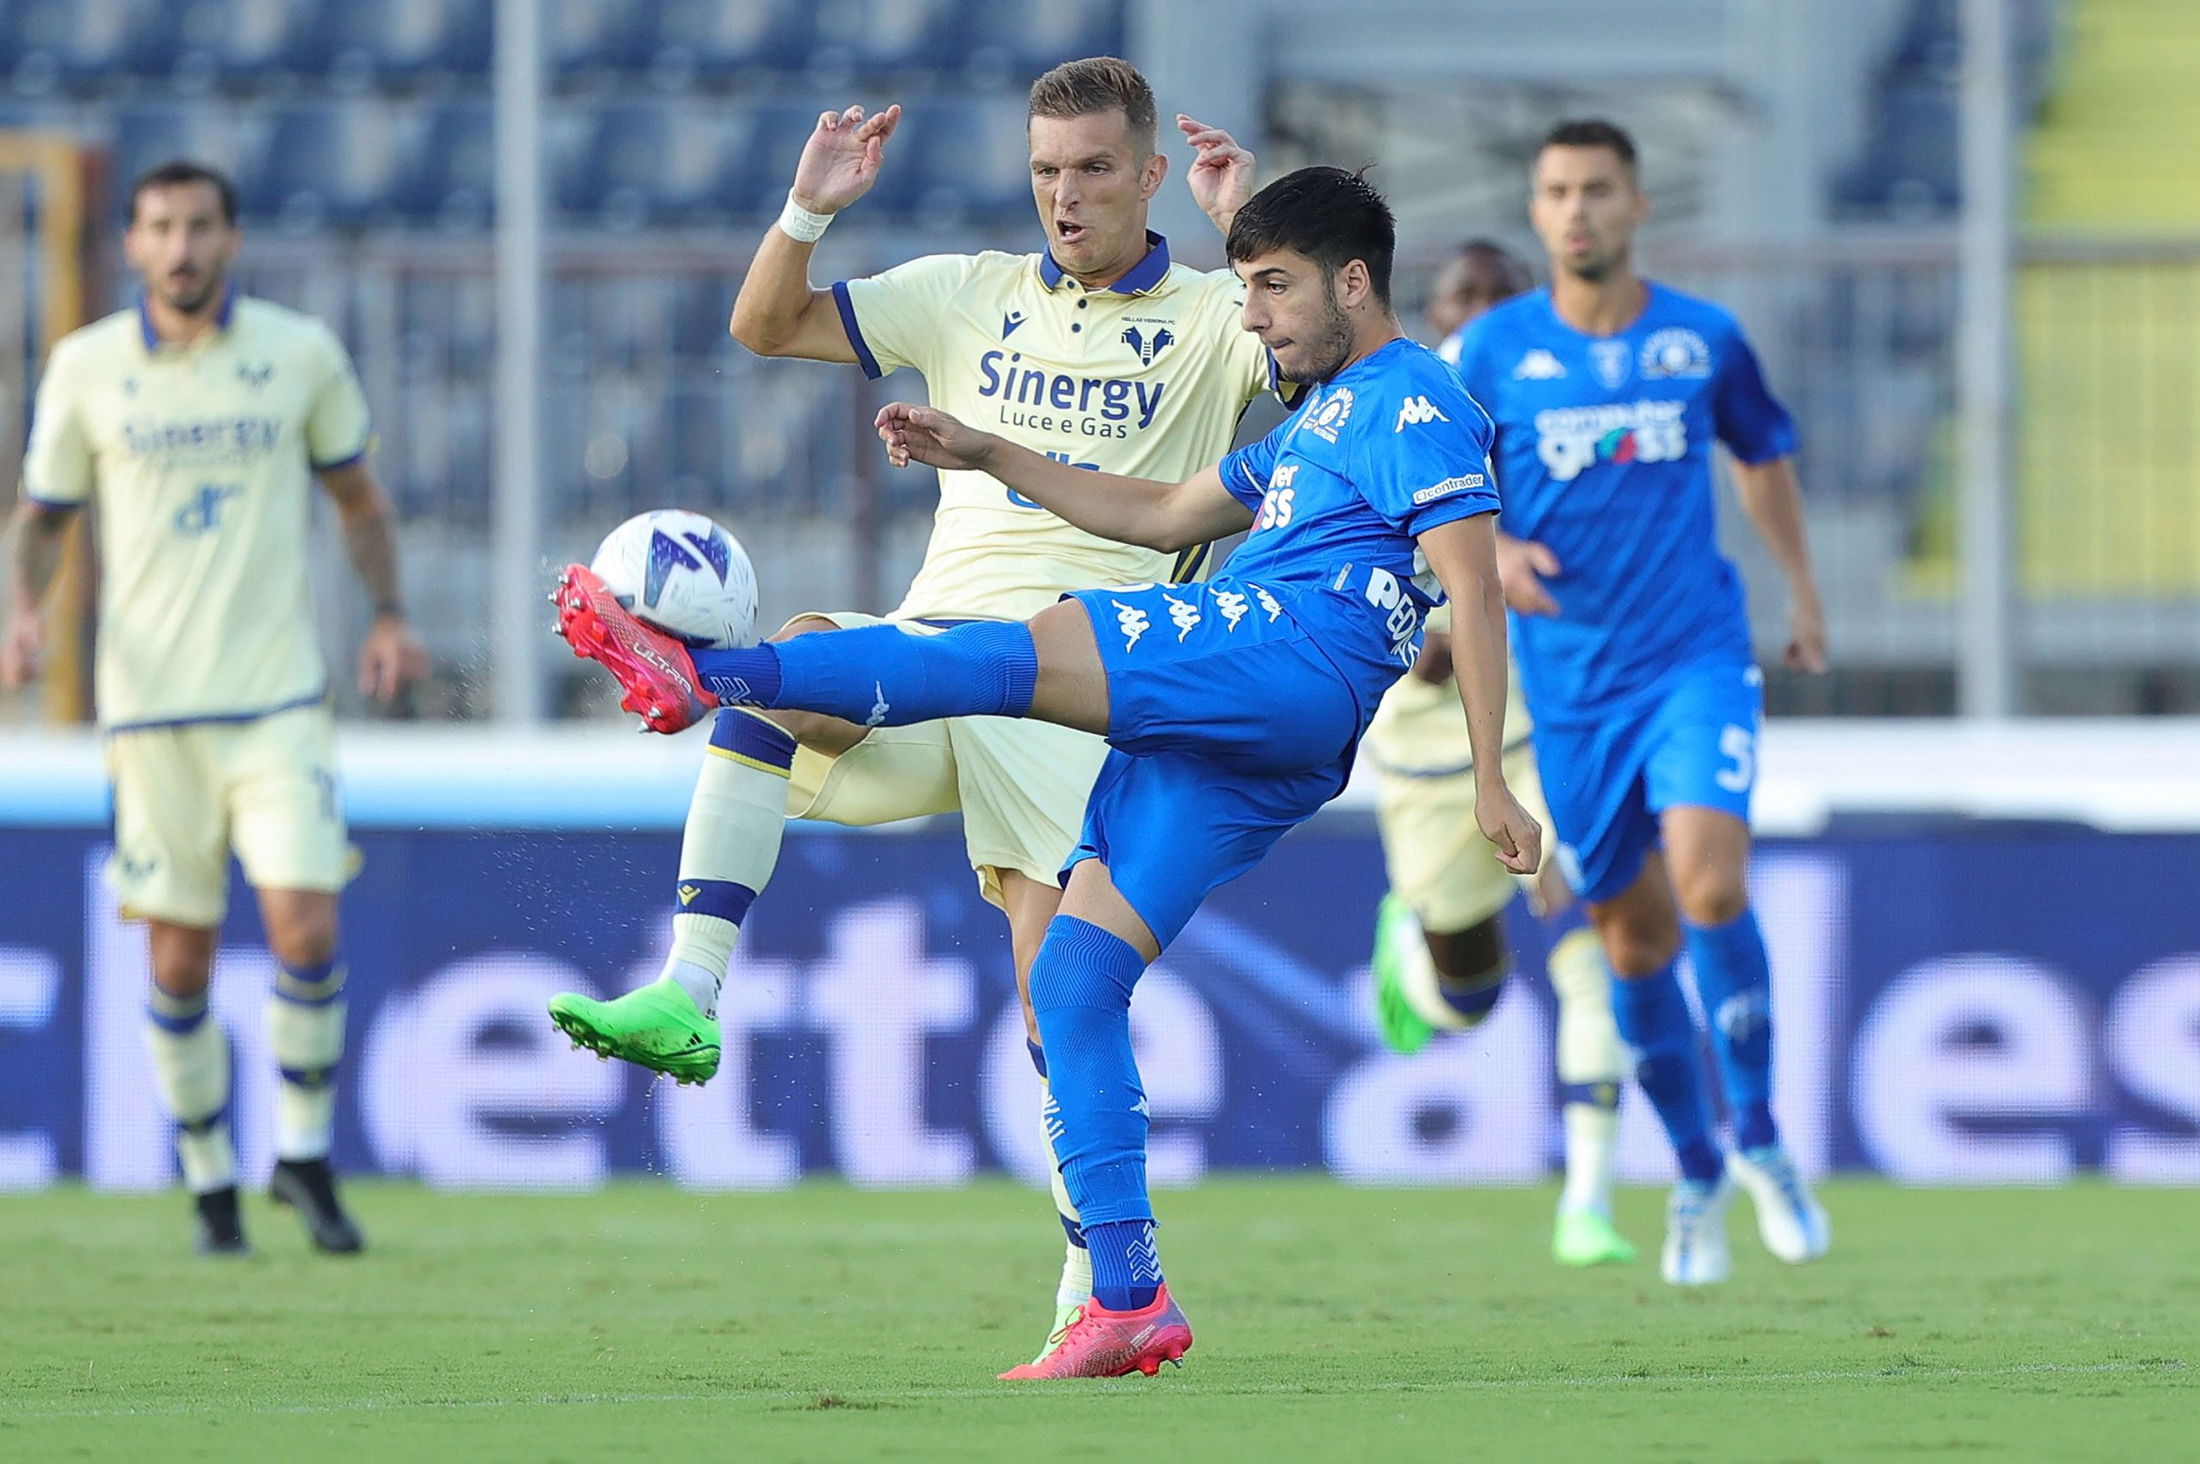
<point x="1803" y="160"/>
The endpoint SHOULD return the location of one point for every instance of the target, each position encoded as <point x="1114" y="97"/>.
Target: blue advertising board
<point x="1957" y="1003"/>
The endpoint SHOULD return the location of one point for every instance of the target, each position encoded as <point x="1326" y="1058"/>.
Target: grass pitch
<point x="1332" y="1323"/>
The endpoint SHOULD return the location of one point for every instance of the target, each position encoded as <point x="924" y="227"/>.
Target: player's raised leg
<point x="1708" y="855"/>
<point x="736" y="821"/>
<point x="305" y="1028"/>
<point x="1642" y="942"/>
<point x="191" y="1069"/>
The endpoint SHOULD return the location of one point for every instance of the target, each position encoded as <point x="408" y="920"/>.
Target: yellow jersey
<point x="202" y="457"/>
<point x="1146" y="379"/>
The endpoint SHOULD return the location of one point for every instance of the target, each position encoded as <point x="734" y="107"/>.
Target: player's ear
<point x="1149" y="177"/>
<point x="1354" y="283"/>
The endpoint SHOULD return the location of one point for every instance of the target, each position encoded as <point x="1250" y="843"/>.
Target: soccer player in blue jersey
<point x="1232" y="708"/>
<point x="1608" y="392"/>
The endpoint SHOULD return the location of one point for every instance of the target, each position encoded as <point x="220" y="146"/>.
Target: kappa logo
<point x="255" y="376"/>
<point x="1326" y="420"/>
<point x="1268" y="603"/>
<point x="879" y="708"/>
<point x="1132" y="622"/>
<point x="1148" y="346"/>
<point x="1009" y="322"/>
<point x="688" y="894"/>
<point x="1417" y="410"/>
<point x="1612" y="360"/>
<point x="1232" y="605"/>
<point x="1539" y="365"/>
<point x="1183" y="614"/>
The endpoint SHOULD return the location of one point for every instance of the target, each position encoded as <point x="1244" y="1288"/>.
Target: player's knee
<point x="1475" y="956"/>
<point x="305" y="940"/>
<point x="182" y="975"/>
<point x="1471" y="965"/>
<point x="1637" y="949"/>
<point x="1710" y="896"/>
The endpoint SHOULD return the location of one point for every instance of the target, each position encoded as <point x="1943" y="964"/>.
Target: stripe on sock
<point x="1038" y="1056"/>
<point x="311" y="985"/>
<point x="1604" y="1095"/>
<point x="308" y="1078"/>
<point x="719" y="898"/>
<point x="743" y="737"/>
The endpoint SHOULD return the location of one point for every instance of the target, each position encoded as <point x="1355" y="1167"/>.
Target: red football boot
<point x="655" y="670"/>
<point x="1099" y="1343"/>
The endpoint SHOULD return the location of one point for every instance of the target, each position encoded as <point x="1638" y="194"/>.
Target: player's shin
<point x="1653" y="1020"/>
<point x="305" y="1029"/>
<point x="191" y="1069"/>
<point x="1734" y="979"/>
<point x="1592" y="1068"/>
<point x="1081" y="991"/>
<point x="881" y="675"/>
<point x="735" y="823"/>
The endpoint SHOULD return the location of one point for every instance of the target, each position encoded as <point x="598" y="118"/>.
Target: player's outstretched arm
<point x="1773" y="499"/>
<point x="392" y="654"/>
<point x="34" y="540"/>
<point x="1464" y="555"/>
<point x="778" y="313"/>
<point x="1170" y="517"/>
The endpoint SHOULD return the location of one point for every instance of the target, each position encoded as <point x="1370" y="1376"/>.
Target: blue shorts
<point x="1228" y="727"/>
<point x="1692" y="743"/>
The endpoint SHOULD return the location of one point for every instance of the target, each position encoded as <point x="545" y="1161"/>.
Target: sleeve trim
<point x="847" y="308"/>
<point x="62" y="503"/>
<point x="342" y="462"/>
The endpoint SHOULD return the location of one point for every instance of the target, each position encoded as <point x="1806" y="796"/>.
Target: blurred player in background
<point x="1232" y="708"/>
<point x="1634" y="649"/>
<point x="1440" y="957"/>
<point x="198" y="420"/>
<point x="1098" y="352"/>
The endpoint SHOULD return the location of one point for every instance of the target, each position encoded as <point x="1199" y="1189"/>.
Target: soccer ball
<point x="684" y="575"/>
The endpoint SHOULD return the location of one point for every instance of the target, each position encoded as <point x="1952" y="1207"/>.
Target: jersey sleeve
<point x="1750" y="420"/>
<point x="1245" y="472"/>
<point x="339" y="429"/>
<point x="57" y="461"/>
<point x="1423" y="457"/>
<point x="893" y="319"/>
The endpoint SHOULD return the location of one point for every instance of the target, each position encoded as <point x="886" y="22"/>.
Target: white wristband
<point x="798" y="223"/>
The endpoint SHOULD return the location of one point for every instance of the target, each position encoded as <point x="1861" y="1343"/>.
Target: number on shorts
<point x="1739" y="744"/>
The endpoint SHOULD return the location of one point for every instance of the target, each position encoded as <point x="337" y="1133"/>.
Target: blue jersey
<point x="1386" y="450"/>
<point x="1604" y="455"/>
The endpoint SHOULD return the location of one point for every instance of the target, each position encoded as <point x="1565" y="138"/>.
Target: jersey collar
<point x="151" y="337"/>
<point x="1142" y="278"/>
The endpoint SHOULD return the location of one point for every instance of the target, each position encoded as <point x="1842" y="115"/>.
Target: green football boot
<point x="1405" y="1031"/>
<point x="657" y="1026"/>
<point x="1585" y="1238"/>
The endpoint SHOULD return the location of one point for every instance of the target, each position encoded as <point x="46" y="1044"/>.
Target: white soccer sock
<point x="305" y="1032"/>
<point x="1590" y="1054"/>
<point x="191" y="1069"/>
<point x="734" y="826"/>
<point x="1075" y="1287"/>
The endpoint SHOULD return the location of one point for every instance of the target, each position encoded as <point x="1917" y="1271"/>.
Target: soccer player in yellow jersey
<point x="1440" y="957"/>
<point x="1098" y="351"/>
<point x="198" y="420"/>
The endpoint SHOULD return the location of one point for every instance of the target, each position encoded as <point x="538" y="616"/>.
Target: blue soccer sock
<point x="1735" y="981"/>
<point x="1081" y="990"/>
<point x="1652" y="1014"/>
<point x="882" y="675"/>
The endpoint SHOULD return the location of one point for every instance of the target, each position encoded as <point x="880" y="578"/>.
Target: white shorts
<point x="1438" y="861"/>
<point x="1020" y="785"/>
<point x="186" y="796"/>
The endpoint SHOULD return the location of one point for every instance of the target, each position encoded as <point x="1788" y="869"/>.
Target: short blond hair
<point x="1096" y="84"/>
